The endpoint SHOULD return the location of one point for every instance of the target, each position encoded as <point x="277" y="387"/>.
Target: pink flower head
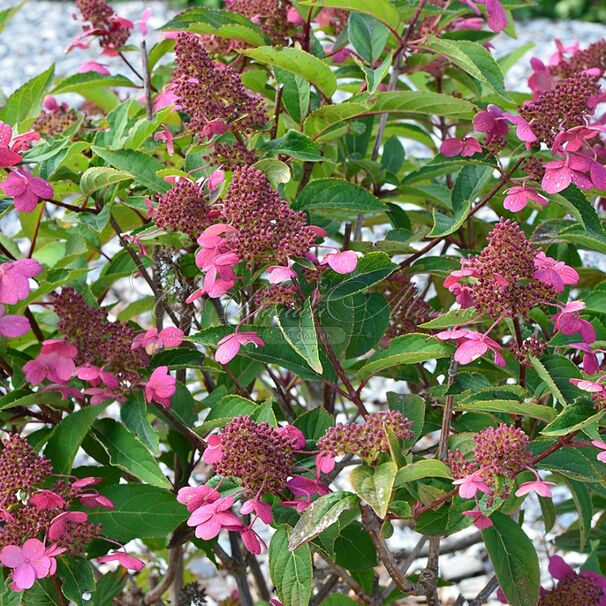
<point x="340" y="55"/>
<point x="588" y="386"/>
<point x="47" y="500"/>
<point x="325" y="463"/>
<point x="496" y="16"/>
<point x="262" y="509"/>
<point x="541" y="487"/>
<point x="214" y="127"/>
<point x="472" y="345"/>
<point x="470" y="485"/>
<point x="575" y="168"/>
<point x="343" y="262"/>
<point x="142" y="23"/>
<point x="462" y="293"/>
<point x="294" y="17"/>
<point x="88" y="481"/>
<point x="95" y="376"/>
<point x="229" y="346"/>
<point x="26" y="190"/>
<point x="126" y="561"/>
<point x="602" y="446"/>
<point x="591" y="365"/>
<point x="280" y="273"/>
<point x="518" y="197"/>
<point x="59" y="524"/>
<point x="11" y="325"/>
<point x="160" y="387"/>
<point x="214" y="451"/>
<point x="568" y="322"/>
<point x="52" y="366"/>
<point x="165" y="98"/>
<point x="8" y="156"/>
<point x="153" y="341"/>
<point x="30" y="562"/>
<point x="93" y="500"/>
<point x="216" y="178"/>
<point x="14" y="279"/>
<point x="60" y="347"/>
<point x="523" y="130"/>
<point x="209" y="519"/>
<point x="563" y="53"/>
<point x="252" y="541"/>
<point x="460" y="146"/>
<point x="166" y="135"/>
<point x="194" y="497"/>
<point x="493" y="122"/>
<point x="305" y="488"/>
<point x="294" y="435"/>
<point x="541" y="79"/>
<point x="555" y="273"/>
<point x="93" y="66"/>
<point x="480" y="520"/>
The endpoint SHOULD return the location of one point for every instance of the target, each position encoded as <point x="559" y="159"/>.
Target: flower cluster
<point x="38" y="517"/>
<point x="102" y="22"/>
<point x="366" y="440"/>
<point x="212" y="95"/>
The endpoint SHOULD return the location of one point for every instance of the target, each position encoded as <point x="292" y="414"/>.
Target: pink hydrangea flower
<point x="568" y="322"/>
<point x="279" y="274"/>
<point x="216" y="178"/>
<point x="472" y="345"/>
<point x="591" y="364"/>
<point x="26" y="190"/>
<point x="8" y="157"/>
<point x="541" y="79"/>
<point x="194" y="497"/>
<point x="294" y="435"/>
<point x="164" y="134"/>
<point x="575" y="168"/>
<point x="293" y="16"/>
<point x="160" y="387"/>
<point x="588" y="386"/>
<point x="460" y="146"/>
<point x="470" y="485"/>
<point x="30" y="562"/>
<point x="343" y="262"/>
<point x="261" y="509"/>
<point x="555" y="273"/>
<point x="480" y="520"/>
<point x="124" y="559"/>
<point x="229" y="346"/>
<point x="59" y="524"/>
<point x="325" y="463"/>
<point x="252" y="541"/>
<point x="306" y="488"/>
<point x="214" y="127"/>
<point x="523" y="130"/>
<point x="153" y="340"/>
<point x="518" y="197"/>
<point x="541" y="487"/>
<point x="11" y="325"/>
<point x="496" y="16"/>
<point x="602" y="446"/>
<point x="93" y="66"/>
<point x="93" y="500"/>
<point x="55" y="365"/>
<point x="14" y="279"/>
<point x="493" y="122"/>
<point x="214" y="451"/>
<point x="95" y="376"/>
<point x="47" y="500"/>
<point x="209" y="519"/>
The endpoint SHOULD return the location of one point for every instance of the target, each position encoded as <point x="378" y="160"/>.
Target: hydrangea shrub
<point x="297" y="279"/>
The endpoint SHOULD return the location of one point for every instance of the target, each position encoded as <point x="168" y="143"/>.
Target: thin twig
<point x="147" y="85"/>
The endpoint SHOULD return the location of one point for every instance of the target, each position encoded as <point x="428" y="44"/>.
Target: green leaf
<point x="294" y="144"/>
<point x="8" y="597"/>
<point x="276" y="171"/>
<point x="326" y="116"/>
<point x="468" y="184"/>
<point x="291" y="571"/>
<point x="299" y="329"/>
<point x="474" y="59"/>
<point x="574" y="463"/>
<point x="367" y="35"/>
<point x="222" y="23"/>
<point x="25" y="102"/>
<point x="374" y="485"/>
<point x="534" y="411"/>
<point x="451" y="318"/>
<point x="99" y="177"/>
<point x="381" y="9"/>
<point x="68" y="435"/>
<point x="83" y="83"/>
<point x="412" y="407"/>
<point x="576" y="203"/>
<point x="134" y="415"/>
<point x="77" y="579"/>
<point x="427" y="468"/>
<point x="298" y="62"/>
<point x="339" y="195"/>
<point x="582" y="502"/>
<point x="314" y="423"/>
<point x="573" y="418"/>
<point x="142" y="167"/>
<point x="295" y="94"/>
<point x="143" y="512"/>
<point x="372" y="268"/>
<point x="407" y="349"/>
<point x="5" y="16"/>
<point x="514" y="559"/>
<point x="128" y="453"/>
<point x="548" y="379"/>
<point x="321" y="514"/>
<point x="420" y="102"/>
